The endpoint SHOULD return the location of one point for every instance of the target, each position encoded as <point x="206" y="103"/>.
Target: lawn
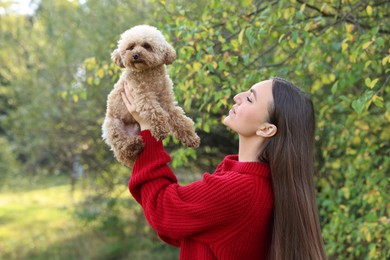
<point x="39" y="221"/>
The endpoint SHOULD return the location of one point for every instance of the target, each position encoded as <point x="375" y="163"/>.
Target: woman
<point x="258" y="204"/>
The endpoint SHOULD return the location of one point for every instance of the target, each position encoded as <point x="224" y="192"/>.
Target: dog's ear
<point x="116" y="58"/>
<point x="170" y="54"/>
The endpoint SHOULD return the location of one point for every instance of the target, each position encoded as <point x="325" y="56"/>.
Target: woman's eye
<point x="248" y="99"/>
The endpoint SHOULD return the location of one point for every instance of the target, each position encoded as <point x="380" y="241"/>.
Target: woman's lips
<point x="232" y="112"/>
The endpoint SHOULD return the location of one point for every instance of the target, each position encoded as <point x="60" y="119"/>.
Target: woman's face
<point x="250" y="111"/>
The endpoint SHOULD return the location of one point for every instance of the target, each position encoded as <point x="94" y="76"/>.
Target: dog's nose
<point x="136" y="56"/>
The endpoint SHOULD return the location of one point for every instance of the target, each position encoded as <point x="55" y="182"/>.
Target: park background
<point x="63" y="195"/>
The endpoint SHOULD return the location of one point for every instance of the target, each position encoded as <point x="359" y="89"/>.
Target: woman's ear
<point x="116" y="58"/>
<point x="170" y="54"/>
<point x="267" y="130"/>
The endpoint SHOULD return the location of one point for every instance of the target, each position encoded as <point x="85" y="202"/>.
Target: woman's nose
<point x="237" y="98"/>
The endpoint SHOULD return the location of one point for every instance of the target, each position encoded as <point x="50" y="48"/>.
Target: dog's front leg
<point x="183" y="127"/>
<point x="150" y="109"/>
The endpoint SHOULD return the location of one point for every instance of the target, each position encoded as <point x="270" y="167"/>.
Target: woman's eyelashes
<point x="249" y="97"/>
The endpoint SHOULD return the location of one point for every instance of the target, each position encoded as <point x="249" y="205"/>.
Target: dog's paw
<point x="160" y="132"/>
<point x="160" y="135"/>
<point x="192" y="141"/>
<point x="128" y="151"/>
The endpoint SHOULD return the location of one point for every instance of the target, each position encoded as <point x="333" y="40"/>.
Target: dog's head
<point x="143" y="47"/>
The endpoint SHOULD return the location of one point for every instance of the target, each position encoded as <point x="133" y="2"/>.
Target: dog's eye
<point x="147" y="46"/>
<point x="131" y="47"/>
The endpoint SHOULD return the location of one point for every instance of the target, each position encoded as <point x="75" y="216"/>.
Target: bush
<point x="9" y="166"/>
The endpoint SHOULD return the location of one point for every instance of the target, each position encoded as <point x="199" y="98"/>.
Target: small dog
<point x="143" y="52"/>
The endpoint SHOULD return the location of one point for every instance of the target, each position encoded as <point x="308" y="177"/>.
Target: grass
<point x="34" y="219"/>
<point x="38" y="221"/>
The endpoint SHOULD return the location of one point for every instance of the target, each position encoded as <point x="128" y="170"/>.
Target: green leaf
<point x="281" y="37"/>
<point x="366" y="45"/>
<point x="371" y="216"/>
<point x="83" y="95"/>
<point x="378" y="101"/>
<point x="334" y="87"/>
<point x="358" y="105"/>
<point x="369" y="10"/>
<point x="300" y="15"/>
<point x="302" y="8"/>
<point x="241" y="36"/>
<point x="371" y="83"/>
<point x="234" y="60"/>
<point x="380" y="41"/>
<point x="96" y="81"/>
<point x="75" y="98"/>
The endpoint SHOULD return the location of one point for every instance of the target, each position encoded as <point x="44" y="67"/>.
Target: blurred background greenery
<point x="62" y="194"/>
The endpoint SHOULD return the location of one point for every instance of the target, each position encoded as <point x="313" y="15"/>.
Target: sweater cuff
<point x="153" y="152"/>
<point x="151" y="143"/>
<point x="146" y="134"/>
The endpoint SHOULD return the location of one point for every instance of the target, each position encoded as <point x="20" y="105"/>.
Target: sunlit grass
<point x="38" y="221"/>
<point x="32" y="220"/>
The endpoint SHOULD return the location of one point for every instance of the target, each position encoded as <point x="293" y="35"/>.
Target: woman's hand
<point x="128" y="99"/>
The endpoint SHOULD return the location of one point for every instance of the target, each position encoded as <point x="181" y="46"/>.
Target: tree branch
<point x="289" y="57"/>
<point x="344" y="17"/>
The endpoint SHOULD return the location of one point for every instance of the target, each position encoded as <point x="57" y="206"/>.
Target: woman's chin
<point x="226" y="121"/>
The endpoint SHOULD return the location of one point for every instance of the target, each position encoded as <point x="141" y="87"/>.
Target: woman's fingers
<point x="128" y="98"/>
<point x="129" y="106"/>
<point x="129" y="94"/>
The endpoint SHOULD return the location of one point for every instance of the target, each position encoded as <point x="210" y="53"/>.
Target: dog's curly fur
<point x="143" y="52"/>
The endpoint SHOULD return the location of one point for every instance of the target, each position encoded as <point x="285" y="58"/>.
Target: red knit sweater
<point x="226" y="215"/>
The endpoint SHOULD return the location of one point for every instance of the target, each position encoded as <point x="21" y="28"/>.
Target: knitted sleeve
<point x="177" y="212"/>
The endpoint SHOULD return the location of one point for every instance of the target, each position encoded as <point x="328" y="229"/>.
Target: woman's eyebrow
<point x="254" y="92"/>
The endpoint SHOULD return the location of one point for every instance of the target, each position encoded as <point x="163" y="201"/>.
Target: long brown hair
<point x="296" y="229"/>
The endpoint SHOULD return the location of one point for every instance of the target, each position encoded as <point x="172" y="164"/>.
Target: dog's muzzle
<point x="136" y="56"/>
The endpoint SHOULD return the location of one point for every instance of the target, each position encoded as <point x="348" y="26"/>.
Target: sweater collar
<point x="231" y="163"/>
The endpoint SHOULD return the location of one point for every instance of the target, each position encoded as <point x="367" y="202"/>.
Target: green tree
<point x="46" y="113"/>
<point x="57" y="74"/>
<point x="337" y="51"/>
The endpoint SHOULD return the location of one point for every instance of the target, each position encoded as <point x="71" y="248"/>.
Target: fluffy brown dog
<point x="144" y="52"/>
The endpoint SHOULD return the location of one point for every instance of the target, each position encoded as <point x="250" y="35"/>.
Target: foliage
<point x="8" y="164"/>
<point x="45" y="108"/>
<point x="336" y="51"/>
<point x="52" y="100"/>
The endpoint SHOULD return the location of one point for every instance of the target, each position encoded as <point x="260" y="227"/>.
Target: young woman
<point x="258" y="204"/>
